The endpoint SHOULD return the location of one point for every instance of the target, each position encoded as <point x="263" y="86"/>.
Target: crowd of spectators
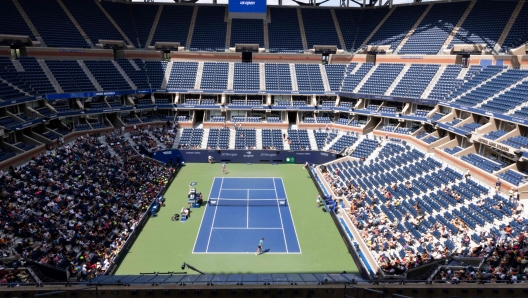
<point x="74" y="207"/>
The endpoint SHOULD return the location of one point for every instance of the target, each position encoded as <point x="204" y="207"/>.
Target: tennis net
<point x="253" y="202"/>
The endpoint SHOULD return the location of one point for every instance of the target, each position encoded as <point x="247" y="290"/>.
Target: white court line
<point x="243" y="199"/>
<point x="214" y="216"/>
<point x="247" y="210"/>
<point x="248" y="189"/>
<point x="280" y="215"/>
<point x="244" y="253"/>
<point x="203" y="215"/>
<point x="291" y="215"/>
<point x="247" y="228"/>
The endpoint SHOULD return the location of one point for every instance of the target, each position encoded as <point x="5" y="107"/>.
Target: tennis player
<point x="223" y="168"/>
<point x="259" y="250"/>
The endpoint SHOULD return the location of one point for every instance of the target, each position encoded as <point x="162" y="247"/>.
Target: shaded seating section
<point x="365" y="148"/>
<point x="421" y="134"/>
<point x="207" y="101"/>
<point x="354" y="77"/>
<point x="218" y="138"/>
<point x="191" y="138"/>
<point x="96" y="106"/>
<point x="309" y="120"/>
<point x="53" y="24"/>
<point x="246" y="76"/>
<point x="93" y="21"/>
<point x="492" y="87"/>
<point x="415" y="80"/>
<point x="122" y="15"/>
<point x="309" y="77"/>
<point x="447" y="82"/>
<point x="328" y="104"/>
<point x="272" y="138"/>
<point x="430" y="139"/>
<point x="50" y="135"/>
<point x="23" y="146"/>
<point x="513" y="177"/>
<point x="346" y="104"/>
<point x="137" y="76"/>
<point x="45" y="112"/>
<point x="107" y="75"/>
<point x="476" y="77"/>
<point x="9" y="93"/>
<point x="144" y="102"/>
<point x="254" y="102"/>
<point x="322" y="119"/>
<point x="516" y="142"/>
<point x="34" y="76"/>
<point x="436" y="117"/>
<point x="247" y="31"/>
<point x="342" y="121"/>
<point x="356" y="24"/>
<point x="298" y="139"/>
<point x="173" y="24"/>
<point x="155" y="72"/>
<point x="343" y="142"/>
<point x="518" y="34"/>
<point x="381" y="79"/>
<point x="482" y="162"/>
<point x="299" y="103"/>
<point x="143" y="17"/>
<point x="8" y="122"/>
<point x="455" y="149"/>
<point x="214" y="76"/>
<point x="70" y="75"/>
<point x="434" y="29"/>
<point x="508" y="100"/>
<point x="397" y="25"/>
<point x="485" y="23"/>
<point x="324" y="137"/>
<point x="238" y="102"/>
<point x="162" y="101"/>
<point x="96" y="125"/>
<point x="114" y="102"/>
<point x="278" y="77"/>
<point x="12" y="22"/>
<point x="283" y="32"/>
<point x="6" y="155"/>
<point x="273" y="120"/>
<point x="182" y="119"/>
<point x="493" y="135"/>
<point x="183" y="75"/>
<point x="132" y="121"/>
<point x="335" y="74"/>
<point x="245" y="138"/>
<point x="210" y="29"/>
<point x="319" y="28"/>
<point x="80" y="127"/>
<point x="470" y="127"/>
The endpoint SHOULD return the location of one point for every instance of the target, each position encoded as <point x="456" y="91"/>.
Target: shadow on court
<point x="265" y="251"/>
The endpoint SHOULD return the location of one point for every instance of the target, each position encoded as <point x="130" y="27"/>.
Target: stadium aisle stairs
<point x="205" y="138"/>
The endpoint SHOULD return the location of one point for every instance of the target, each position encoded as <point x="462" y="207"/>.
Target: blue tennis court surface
<point x="240" y="211"/>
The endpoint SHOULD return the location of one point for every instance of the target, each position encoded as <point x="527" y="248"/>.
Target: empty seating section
<point x="122" y="16"/>
<point x="9" y="93"/>
<point x="485" y="23"/>
<point x="397" y="25"/>
<point x="381" y="79"/>
<point x="309" y="120"/>
<point x="516" y="142"/>
<point x="476" y="77"/>
<point x="298" y="139"/>
<point x="11" y="22"/>
<point x="284" y="32"/>
<point x="283" y="103"/>
<point x="238" y="102"/>
<point x="182" y="119"/>
<point x="245" y="138"/>
<point x="80" y="127"/>
<point x="353" y="79"/>
<point x="508" y="100"/>
<point x="34" y="76"/>
<point x="50" y="135"/>
<point x="435" y="27"/>
<point x="324" y="137"/>
<point x="53" y="24"/>
<point x="6" y="155"/>
<point x="254" y="102"/>
<point x="342" y="121"/>
<point x="247" y="31"/>
<point x="218" y="138"/>
<point x="365" y="148"/>
<point x="493" y="135"/>
<point x="183" y="75"/>
<point x="421" y="113"/>
<point x="137" y="76"/>
<point x="96" y="105"/>
<point x="343" y="142"/>
<point x="273" y="119"/>
<point x="309" y="77"/>
<point x="192" y="102"/>
<point x="155" y="72"/>
<point x="208" y="101"/>
<point x="173" y="24"/>
<point x="415" y="80"/>
<point x="513" y="177"/>
<point x="25" y="147"/>
<point x="356" y="25"/>
<point x="8" y="122"/>
<point x="319" y="28"/>
<point x="191" y="138"/>
<point x="278" y="77"/>
<point x="214" y="76"/>
<point x="470" y="127"/>
<point x="492" y="87"/>
<point x="11" y="75"/>
<point x="45" y="112"/>
<point x="522" y="113"/>
<point x="436" y="117"/>
<point x="210" y="29"/>
<point x="322" y="119"/>
<point x="299" y="103"/>
<point x="455" y="150"/>
<point x="454" y="122"/>
<point x="143" y="17"/>
<point x="107" y="75"/>
<point x="247" y="76"/>
<point x="217" y="119"/>
<point x="70" y="75"/>
<point x="482" y="162"/>
<point x="447" y="82"/>
<point x="272" y="138"/>
<point x="430" y="139"/>
<point x="328" y="104"/>
<point x="93" y="21"/>
<point x="388" y="128"/>
<point x="335" y="74"/>
<point x="518" y="34"/>
<point x="346" y="104"/>
<point x="132" y="120"/>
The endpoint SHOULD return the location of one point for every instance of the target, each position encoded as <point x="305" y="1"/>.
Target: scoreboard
<point x="247" y="9"/>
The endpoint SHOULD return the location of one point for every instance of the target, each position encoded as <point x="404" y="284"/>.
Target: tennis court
<point x="241" y="211"/>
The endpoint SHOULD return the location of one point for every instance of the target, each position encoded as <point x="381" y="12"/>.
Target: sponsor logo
<point x="229" y="154"/>
<point x="324" y="154"/>
<point x="489" y="114"/>
<point x="169" y="152"/>
<point x="268" y="154"/>
<point x="193" y="153"/>
<point x="248" y="152"/>
<point x="248" y="3"/>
